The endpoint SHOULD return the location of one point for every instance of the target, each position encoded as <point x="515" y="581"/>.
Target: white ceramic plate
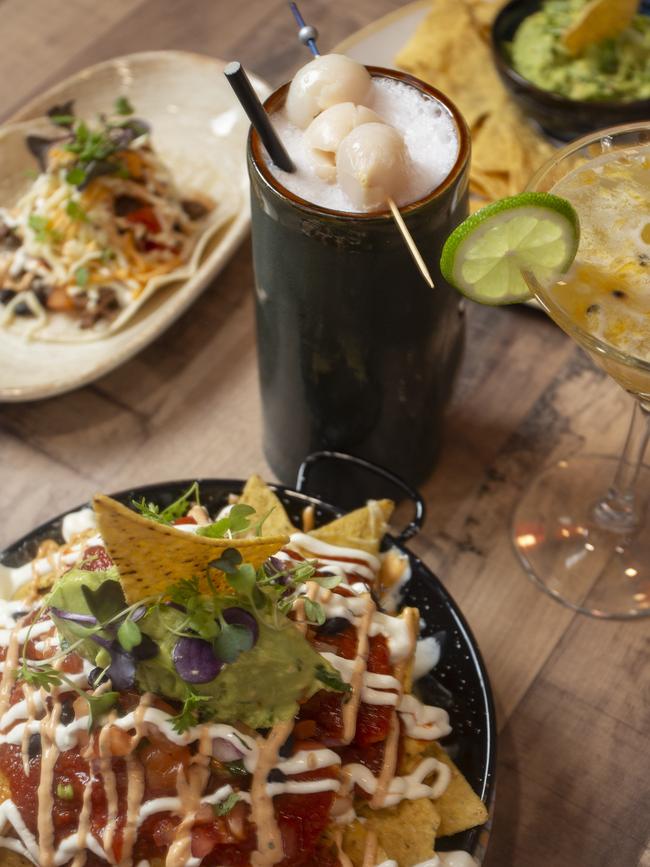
<point x="379" y="42"/>
<point x="170" y="89"/>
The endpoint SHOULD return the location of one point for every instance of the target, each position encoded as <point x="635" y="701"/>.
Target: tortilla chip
<point x="9" y="858"/>
<point x="460" y="807"/>
<point x="363" y="528"/>
<point x="598" y="20"/>
<point x="406" y="832"/>
<point x="260" y="497"/>
<point x="451" y="50"/>
<point x="151" y="557"/>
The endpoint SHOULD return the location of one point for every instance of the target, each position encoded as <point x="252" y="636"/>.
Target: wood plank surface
<point x="572" y="693"/>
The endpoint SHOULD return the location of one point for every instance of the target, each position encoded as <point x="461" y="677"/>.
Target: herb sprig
<point x="170" y="513"/>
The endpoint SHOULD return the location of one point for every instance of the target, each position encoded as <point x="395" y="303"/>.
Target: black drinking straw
<point x="251" y="104"/>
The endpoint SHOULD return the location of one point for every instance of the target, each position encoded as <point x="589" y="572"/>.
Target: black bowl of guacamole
<point x="608" y="84"/>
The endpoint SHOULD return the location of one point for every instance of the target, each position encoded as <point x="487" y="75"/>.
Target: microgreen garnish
<point x="224" y="807"/>
<point x="190" y="713"/>
<point x="236" y="521"/>
<point x="46" y="677"/>
<point x="123" y="106"/>
<point x="237" y="768"/>
<point x="75" y="211"/>
<point x="81" y="276"/>
<point x="129" y="635"/>
<point x="106" y="602"/>
<point x="231" y="641"/>
<point x="170" y="513"/>
<point x="97" y="150"/>
<point x="332" y="679"/>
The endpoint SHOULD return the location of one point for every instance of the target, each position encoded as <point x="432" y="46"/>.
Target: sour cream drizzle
<point x="260" y="755"/>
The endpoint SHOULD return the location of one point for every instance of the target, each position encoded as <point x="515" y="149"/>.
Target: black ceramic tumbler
<point x="356" y="353"/>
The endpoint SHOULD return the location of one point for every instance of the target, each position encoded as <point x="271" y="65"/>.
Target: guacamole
<point x="613" y="69"/>
<point x="261" y="687"/>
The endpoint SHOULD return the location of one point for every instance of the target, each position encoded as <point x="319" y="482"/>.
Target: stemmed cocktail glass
<point x="581" y="529"/>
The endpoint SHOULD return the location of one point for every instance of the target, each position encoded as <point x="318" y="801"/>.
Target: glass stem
<point x="620" y="510"/>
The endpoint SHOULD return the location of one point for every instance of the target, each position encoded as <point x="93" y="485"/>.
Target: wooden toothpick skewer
<point x="410" y="243"/>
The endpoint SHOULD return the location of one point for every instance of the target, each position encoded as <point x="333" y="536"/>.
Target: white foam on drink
<point x="426" y="126"/>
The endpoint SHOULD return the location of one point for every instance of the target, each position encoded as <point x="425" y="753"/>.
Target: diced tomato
<point x="96" y="559"/>
<point x="302" y="820"/>
<point x="186" y="520"/>
<point x="161" y="767"/>
<point x="146" y="217"/>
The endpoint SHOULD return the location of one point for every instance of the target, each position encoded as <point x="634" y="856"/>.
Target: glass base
<point x="598" y="571"/>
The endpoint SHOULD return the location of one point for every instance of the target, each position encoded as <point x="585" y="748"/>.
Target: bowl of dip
<point x="607" y="84"/>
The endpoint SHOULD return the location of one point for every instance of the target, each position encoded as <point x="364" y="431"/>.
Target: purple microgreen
<point x="147" y="649"/>
<point x="195" y="660"/>
<point x="240" y="617"/>
<point x="73" y="617"/>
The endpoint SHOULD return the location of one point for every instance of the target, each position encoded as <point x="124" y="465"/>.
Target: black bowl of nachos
<point x="216" y="673"/>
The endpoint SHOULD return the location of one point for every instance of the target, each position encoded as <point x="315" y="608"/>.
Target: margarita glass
<point x="587" y="544"/>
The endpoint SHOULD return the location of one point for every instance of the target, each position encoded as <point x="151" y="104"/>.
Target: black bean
<point x="334" y="626"/>
<point x="286" y="750"/>
<point x="6" y="295"/>
<point x="194" y="210"/>
<point x="276" y="776"/>
<point x="94" y="678"/>
<point x="34" y="748"/>
<point x="125" y="205"/>
<point x="23" y="309"/>
<point x="67" y="712"/>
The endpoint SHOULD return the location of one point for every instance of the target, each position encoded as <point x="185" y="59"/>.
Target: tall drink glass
<point x="582" y="530"/>
<point x="356" y="353"/>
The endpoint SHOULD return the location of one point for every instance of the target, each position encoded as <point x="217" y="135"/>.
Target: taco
<point x="93" y="222"/>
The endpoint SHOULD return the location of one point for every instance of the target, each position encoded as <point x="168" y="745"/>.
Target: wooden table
<point x="574" y="756"/>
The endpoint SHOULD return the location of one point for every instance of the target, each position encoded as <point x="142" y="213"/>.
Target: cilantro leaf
<point x="81" y="276"/>
<point x="236" y="521"/>
<point x="75" y="176"/>
<point x="314" y="612"/>
<point x="189" y="715"/>
<point x="170" y="513"/>
<point x="224" y="807"/>
<point x="75" y="211"/>
<point x="331" y="679"/>
<point x="123" y="106"/>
